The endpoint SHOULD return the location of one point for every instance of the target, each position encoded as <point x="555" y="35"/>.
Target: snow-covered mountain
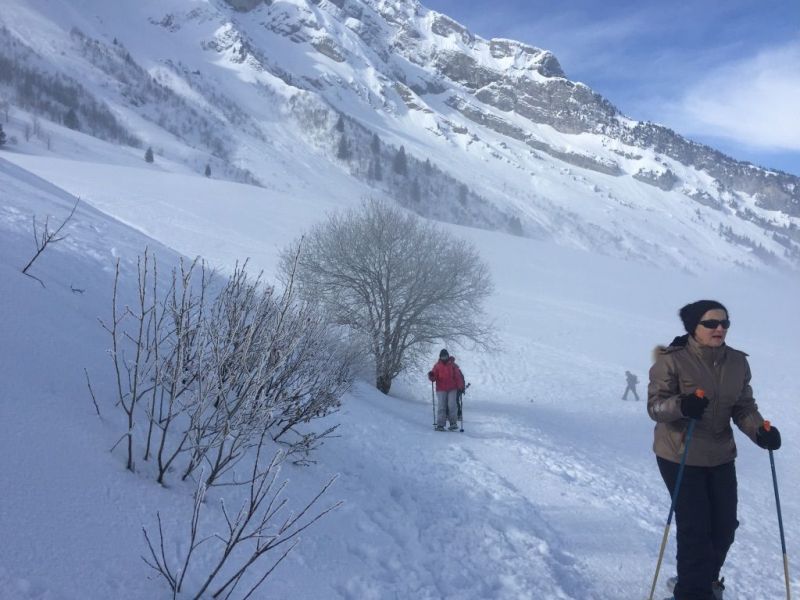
<point x="400" y="101"/>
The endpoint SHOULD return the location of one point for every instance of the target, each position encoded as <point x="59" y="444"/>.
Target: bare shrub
<point x="152" y="352"/>
<point x="262" y="526"/>
<point x="210" y="368"/>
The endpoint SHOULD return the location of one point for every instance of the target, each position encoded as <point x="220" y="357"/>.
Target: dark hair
<point x="444" y="353"/>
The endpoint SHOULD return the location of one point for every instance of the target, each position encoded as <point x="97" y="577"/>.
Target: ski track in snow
<point x="468" y="515"/>
<point x="503" y="490"/>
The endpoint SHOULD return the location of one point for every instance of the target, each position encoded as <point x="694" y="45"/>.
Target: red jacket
<point x="447" y="375"/>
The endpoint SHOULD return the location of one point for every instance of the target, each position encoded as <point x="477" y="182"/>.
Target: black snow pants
<point x="705" y="515"/>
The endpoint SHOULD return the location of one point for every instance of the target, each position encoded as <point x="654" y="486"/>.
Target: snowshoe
<point x="671" y="583"/>
<point x="717" y="588"/>
<point x="439" y="428"/>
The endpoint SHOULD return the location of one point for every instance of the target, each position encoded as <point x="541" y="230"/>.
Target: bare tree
<point x="46" y="237"/>
<point x="399" y="281"/>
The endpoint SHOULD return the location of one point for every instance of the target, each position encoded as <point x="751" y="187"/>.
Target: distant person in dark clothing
<point x="632" y="381"/>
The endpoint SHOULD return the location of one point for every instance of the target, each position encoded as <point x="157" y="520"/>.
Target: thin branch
<point x="124" y="435"/>
<point x="91" y="392"/>
<point x="34" y="277"/>
<point x="47" y="238"/>
<point x="160" y="563"/>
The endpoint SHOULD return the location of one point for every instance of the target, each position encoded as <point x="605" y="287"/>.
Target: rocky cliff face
<point x="773" y="190"/>
<point x="488" y="79"/>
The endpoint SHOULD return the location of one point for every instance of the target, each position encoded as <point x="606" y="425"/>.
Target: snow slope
<point x="550" y="493"/>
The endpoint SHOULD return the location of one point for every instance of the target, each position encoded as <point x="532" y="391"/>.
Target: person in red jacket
<point x="449" y="380"/>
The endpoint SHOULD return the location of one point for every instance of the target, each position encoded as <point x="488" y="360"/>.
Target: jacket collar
<point x="707" y="354"/>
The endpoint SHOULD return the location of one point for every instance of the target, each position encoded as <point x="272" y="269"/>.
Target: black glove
<point x="768" y="439"/>
<point x="431" y="376"/>
<point x="693" y="406"/>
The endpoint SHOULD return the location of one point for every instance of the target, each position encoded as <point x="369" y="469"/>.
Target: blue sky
<point x="722" y="72"/>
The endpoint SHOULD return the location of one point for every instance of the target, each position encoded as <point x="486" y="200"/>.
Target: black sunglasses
<point x="714" y="323"/>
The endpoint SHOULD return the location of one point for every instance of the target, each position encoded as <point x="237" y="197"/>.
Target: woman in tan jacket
<point x="705" y="508"/>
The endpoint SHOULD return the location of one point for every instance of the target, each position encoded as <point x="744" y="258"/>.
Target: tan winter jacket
<point x="724" y="374"/>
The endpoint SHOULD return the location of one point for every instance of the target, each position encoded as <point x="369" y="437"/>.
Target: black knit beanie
<point x="444" y="353"/>
<point x="692" y="313"/>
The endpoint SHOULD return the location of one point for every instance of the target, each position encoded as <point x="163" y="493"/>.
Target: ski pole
<point x="433" y="405"/>
<point x="461" y="407"/>
<point x="699" y="393"/>
<point x="767" y="426"/>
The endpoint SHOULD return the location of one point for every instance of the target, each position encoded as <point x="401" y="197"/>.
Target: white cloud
<point x="754" y="101"/>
